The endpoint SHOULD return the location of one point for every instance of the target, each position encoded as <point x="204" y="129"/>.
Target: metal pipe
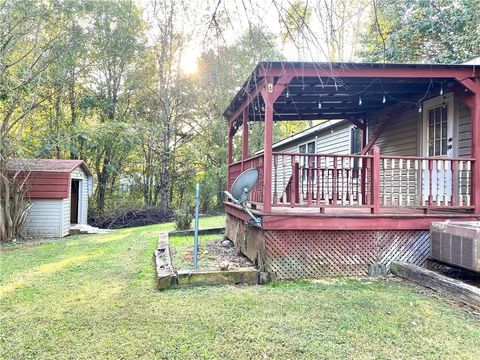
<point x="195" y="241"/>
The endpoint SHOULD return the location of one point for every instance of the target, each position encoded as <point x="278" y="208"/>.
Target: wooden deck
<point x="349" y="218"/>
<point x="363" y="211"/>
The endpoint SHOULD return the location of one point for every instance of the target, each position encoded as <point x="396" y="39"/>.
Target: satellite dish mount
<point x="241" y="188"/>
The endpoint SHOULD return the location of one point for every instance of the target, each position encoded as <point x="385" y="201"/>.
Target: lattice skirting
<point x="310" y="253"/>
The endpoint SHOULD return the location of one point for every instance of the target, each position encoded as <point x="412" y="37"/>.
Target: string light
<point x="360" y="101"/>
<point x="287" y="95"/>
<point x="319" y="104"/>
<point x="384" y="100"/>
<point x="441" y="89"/>
<point x="420" y="107"/>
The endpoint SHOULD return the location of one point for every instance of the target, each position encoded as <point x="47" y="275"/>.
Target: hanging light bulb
<point x="384" y="100"/>
<point x="441" y="89"/>
<point x="360" y="101"/>
<point x="319" y="104"/>
<point x="420" y="107"/>
<point x="287" y="95"/>
<point x="263" y="108"/>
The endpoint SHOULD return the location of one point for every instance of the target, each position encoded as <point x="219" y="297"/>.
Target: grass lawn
<point x="88" y="297"/>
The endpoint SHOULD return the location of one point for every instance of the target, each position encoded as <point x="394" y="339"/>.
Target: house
<point x="335" y="212"/>
<point x="472" y="61"/>
<point x="58" y="191"/>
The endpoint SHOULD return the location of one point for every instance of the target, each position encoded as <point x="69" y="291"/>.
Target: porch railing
<point x="425" y="182"/>
<point x="235" y="169"/>
<point x="321" y="179"/>
<point x="371" y="181"/>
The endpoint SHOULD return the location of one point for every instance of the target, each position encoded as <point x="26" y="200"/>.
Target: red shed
<point x="58" y="190"/>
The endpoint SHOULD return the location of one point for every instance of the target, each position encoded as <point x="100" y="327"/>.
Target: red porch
<point x="371" y="190"/>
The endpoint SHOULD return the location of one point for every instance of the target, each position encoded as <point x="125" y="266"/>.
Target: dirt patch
<point x="211" y="255"/>
<point x="468" y="277"/>
<point x="230" y="255"/>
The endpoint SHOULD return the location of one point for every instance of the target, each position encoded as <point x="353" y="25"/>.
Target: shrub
<point x="122" y="218"/>
<point x="183" y="218"/>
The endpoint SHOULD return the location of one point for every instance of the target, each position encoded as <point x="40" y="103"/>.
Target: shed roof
<point x="47" y="165"/>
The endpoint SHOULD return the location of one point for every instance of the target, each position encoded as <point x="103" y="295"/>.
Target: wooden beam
<point x="245" y="136"/>
<point x="358" y="123"/>
<point x="469" y="101"/>
<point x="334" y="221"/>
<point x="255" y="91"/>
<point x="296" y="117"/>
<point x="268" y="98"/>
<point x="230" y="145"/>
<point x="376" y="180"/>
<point x="280" y="86"/>
<point x="475" y="150"/>
<point x="369" y="71"/>
<point x="470" y="84"/>
<point x="463" y="292"/>
<point x="379" y="132"/>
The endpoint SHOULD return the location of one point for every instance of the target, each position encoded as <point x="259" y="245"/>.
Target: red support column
<point x="376" y="180"/>
<point x="245" y="137"/>
<point x="268" y="98"/>
<point x="230" y="145"/>
<point x="476" y="152"/>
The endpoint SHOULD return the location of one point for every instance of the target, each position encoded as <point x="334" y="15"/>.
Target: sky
<point x="332" y="32"/>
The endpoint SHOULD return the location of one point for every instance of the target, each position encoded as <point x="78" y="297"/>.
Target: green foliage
<point x="101" y="81"/>
<point x="183" y="218"/>
<point x="438" y="31"/>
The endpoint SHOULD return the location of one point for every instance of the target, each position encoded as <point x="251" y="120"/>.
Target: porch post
<point x="245" y="137"/>
<point x="230" y="144"/>
<point x="476" y="150"/>
<point x="376" y="180"/>
<point x="268" y="98"/>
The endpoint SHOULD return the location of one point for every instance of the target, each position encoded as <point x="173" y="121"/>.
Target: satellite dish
<point x="241" y="188"/>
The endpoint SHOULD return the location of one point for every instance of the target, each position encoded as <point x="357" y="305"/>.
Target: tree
<point x="32" y="39"/>
<point x="295" y="26"/>
<point x="116" y="45"/>
<point x="221" y="71"/>
<point x="438" y="31"/>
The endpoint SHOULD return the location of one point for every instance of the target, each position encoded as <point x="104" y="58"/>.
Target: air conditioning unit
<point x="456" y="243"/>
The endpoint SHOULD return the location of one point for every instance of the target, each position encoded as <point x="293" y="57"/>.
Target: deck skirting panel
<point x="294" y="254"/>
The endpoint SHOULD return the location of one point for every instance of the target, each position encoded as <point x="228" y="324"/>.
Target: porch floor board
<point x="363" y="212"/>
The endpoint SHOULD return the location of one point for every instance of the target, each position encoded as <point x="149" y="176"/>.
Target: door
<point x="74" y="201"/>
<point x="438" y="141"/>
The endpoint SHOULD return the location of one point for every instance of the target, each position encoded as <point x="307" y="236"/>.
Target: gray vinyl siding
<point x="402" y="135"/>
<point x="333" y="140"/>
<point x="45" y="218"/>
<point x="66" y="216"/>
<point x="464" y="129"/>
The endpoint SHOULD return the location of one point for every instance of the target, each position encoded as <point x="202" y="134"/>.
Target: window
<point x="437" y="131"/>
<point x="356" y="141"/>
<point x="355" y="148"/>
<point x="308" y="148"/>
